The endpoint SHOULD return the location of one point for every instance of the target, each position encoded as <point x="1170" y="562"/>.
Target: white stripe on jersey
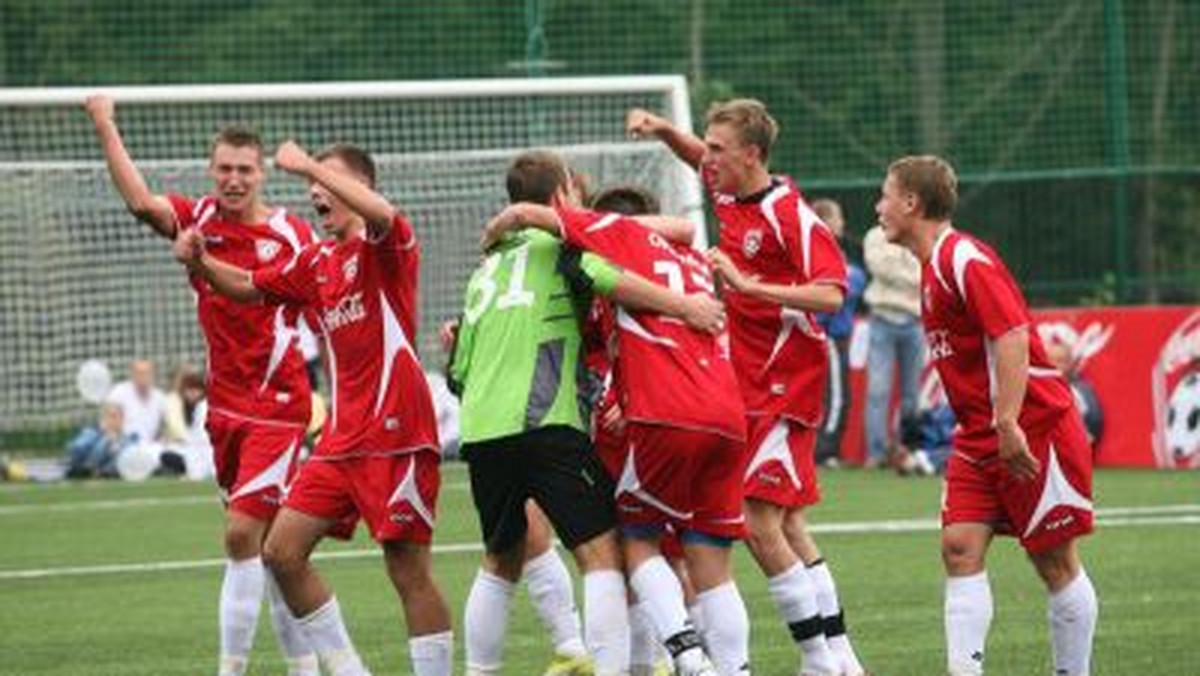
<point x="965" y="251"/>
<point x="627" y="322"/>
<point x="394" y="342"/>
<point x="768" y="210"/>
<point x="603" y="223"/>
<point x="283" y="336"/>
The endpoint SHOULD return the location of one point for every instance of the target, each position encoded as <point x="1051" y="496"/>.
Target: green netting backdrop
<point x="1073" y="123"/>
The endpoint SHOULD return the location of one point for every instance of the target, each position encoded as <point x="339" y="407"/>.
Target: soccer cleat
<point x="568" y="665"/>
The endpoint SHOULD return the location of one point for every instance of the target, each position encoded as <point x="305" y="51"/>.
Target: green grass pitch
<point x="78" y="596"/>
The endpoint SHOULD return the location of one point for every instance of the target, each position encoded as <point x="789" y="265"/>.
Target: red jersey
<point x="364" y="295"/>
<point x="670" y="374"/>
<point x="968" y="300"/>
<point x="255" y="369"/>
<point x="779" y="353"/>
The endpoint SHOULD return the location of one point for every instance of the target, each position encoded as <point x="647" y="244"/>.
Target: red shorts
<point x="610" y="447"/>
<point x="684" y="478"/>
<point x="782" y="467"/>
<point x="396" y="495"/>
<point x="254" y="462"/>
<point x="1046" y="512"/>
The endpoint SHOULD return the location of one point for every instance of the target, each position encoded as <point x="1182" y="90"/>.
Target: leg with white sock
<point x="789" y="584"/>
<point x="605" y="611"/>
<point x="426" y="614"/>
<point x="297" y="653"/>
<point x="968" y="603"/>
<point x="661" y="596"/>
<point x="727" y="626"/>
<point x="485" y="622"/>
<point x="833" y="618"/>
<point x="241" y="590"/>
<point x="553" y="596"/>
<point x="1072" y="609"/>
<point x="286" y="552"/>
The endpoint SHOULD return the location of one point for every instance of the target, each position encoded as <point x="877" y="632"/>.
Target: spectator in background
<point x="893" y="297"/>
<point x="141" y="402"/>
<point x="93" y="452"/>
<point x="838" y="327"/>
<point x="184" y="434"/>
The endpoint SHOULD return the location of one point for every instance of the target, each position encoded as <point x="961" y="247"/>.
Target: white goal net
<point x="81" y="279"/>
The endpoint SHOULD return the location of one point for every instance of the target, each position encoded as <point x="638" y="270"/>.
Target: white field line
<point x="1149" y="516"/>
<point x="138" y="503"/>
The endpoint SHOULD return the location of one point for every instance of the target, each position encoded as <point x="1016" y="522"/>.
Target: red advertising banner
<point x="1142" y="363"/>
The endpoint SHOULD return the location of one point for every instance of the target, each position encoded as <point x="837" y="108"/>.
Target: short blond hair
<point x="749" y="117"/>
<point x="932" y="180"/>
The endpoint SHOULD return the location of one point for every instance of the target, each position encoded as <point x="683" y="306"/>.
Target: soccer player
<point x="685" y="427"/>
<point x="258" y="393"/>
<point x="780" y="265"/>
<point x="518" y="365"/>
<point x="378" y="456"/>
<point x="1022" y="465"/>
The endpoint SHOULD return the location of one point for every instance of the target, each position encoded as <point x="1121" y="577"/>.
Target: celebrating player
<point x="518" y="365"/>
<point x="378" y="457"/>
<point x="780" y="265"/>
<point x="258" y="393"/>
<point x="685" y="428"/>
<point x="1022" y="464"/>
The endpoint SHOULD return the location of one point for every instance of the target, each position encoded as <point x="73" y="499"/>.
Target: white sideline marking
<point x="133" y="503"/>
<point x="1154" y="516"/>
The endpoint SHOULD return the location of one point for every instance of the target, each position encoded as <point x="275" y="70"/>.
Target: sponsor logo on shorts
<point x="1061" y="522"/>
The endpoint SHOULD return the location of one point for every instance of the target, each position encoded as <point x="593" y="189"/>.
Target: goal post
<point x="81" y="279"/>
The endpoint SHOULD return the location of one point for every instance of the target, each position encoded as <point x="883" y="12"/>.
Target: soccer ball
<point x="1183" y="420"/>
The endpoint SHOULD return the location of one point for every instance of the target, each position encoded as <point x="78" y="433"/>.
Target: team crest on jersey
<point x="266" y="249"/>
<point x="350" y="269"/>
<point x="752" y="242"/>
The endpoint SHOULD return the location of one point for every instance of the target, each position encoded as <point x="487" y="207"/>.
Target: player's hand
<point x="100" y="108"/>
<point x="1014" y="451"/>
<point x="734" y="278"/>
<point x="704" y="313"/>
<point x="188" y="246"/>
<point x="291" y="158"/>
<point x="447" y="334"/>
<point x="497" y="227"/>
<point x="641" y="123"/>
<point x="612" y="419"/>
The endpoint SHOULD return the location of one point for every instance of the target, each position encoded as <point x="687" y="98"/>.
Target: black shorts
<point x="553" y="465"/>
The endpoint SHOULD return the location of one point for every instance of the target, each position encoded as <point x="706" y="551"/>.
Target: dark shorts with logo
<point x="555" y="466"/>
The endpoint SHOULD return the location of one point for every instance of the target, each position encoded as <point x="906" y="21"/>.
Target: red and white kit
<point x="685" y="419"/>
<point x="258" y="392"/>
<point x="779" y="353"/>
<point x="968" y="301"/>
<point x="363" y="293"/>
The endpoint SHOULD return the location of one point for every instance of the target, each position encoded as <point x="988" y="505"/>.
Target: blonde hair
<point x="749" y="117"/>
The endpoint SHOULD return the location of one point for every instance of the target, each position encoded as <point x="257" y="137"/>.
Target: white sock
<point x="241" y="598"/>
<point x="795" y="597"/>
<point x="553" y="596"/>
<point x="486" y="622"/>
<point x="968" y="615"/>
<point x="1073" y="611"/>
<point x="834" y="619"/>
<point x="326" y="633"/>
<point x="727" y="636"/>
<point x="642" y="640"/>
<point x="662" y="598"/>
<point x="607" y="622"/>
<point x="696" y="615"/>
<point x="432" y="654"/>
<point x="300" y="658"/>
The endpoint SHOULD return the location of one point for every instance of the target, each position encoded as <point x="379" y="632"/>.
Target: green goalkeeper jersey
<point x="517" y="362"/>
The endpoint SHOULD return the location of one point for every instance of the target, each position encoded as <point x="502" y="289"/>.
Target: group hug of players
<point x="605" y="390"/>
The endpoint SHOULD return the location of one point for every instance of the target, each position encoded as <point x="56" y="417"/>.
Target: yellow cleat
<point x="567" y="665"/>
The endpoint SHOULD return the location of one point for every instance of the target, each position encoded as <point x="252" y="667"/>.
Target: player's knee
<point x="242" y="541"/>
<point x="281" y="559"/>
<point x="961" y="556"/>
